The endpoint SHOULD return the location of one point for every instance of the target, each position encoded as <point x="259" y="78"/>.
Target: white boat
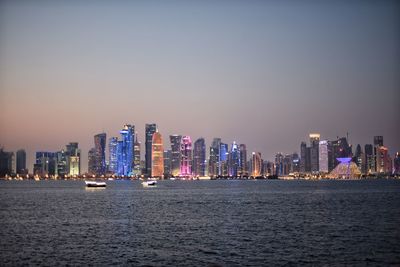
<point x="149" y="183"/>
<point x="95" y="184"/>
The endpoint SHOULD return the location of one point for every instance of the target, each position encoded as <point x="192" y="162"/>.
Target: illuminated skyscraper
<point x="223" y="159"/>
<point x="73" y="159"/>
<point x="256" y="164"/>
<point x="45" y="164"/>
<point x="136" y="157"/>
<point x="396" y="162"/>
<point x="175" y="154"/>
<point x="113" y="155"/>
<point x="92" y="161"/>
<point x="243" y="160"/>
<point x="383" y="160"/>
<point x="199" y="157"/>
<point x="120" y="165"/>
<point x="323" y="156"/>
<point x="157" y="154"/>
<point x="314" y="142"/>
<point x="186" y="156"/>
<point x="279" y="164"/>
<point x="167" y="162"/>
<point x="150" y="130"/>
<point x="21" y="162"/>
<point x="213" y="163"/>
<point x="234" y="160"/>
<point x="127" y="138"/>
<point x="369" y="159"/>
<point x="100" y="153"/>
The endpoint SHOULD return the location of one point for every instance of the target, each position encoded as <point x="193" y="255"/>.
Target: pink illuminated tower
<point x="186" y="156"/>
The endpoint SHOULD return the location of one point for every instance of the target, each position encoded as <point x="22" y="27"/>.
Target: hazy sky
<point x="263" y="73"/>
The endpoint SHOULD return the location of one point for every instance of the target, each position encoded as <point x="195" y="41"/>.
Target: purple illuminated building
<point x="186" y="156"/>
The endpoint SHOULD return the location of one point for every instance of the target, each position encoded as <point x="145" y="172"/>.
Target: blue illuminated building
<point x="126" y="157"/>
<point x="234" y="160"/>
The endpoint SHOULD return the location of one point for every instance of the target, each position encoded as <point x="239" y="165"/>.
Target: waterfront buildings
<point x="234" y="160"/>
<point x="136" y="157"/>
<point x="186" y="156"/>
<point x="175" y="154"/>
<point x="223" y="159"/>
<point x="243" y="171"/>
<point x="256" y="164"/>
<point x="150" y="130"/>
<point x="113" y="155"/>
<point x="6" y="163"/>
<point x="323" y="156"/>
<point x="21" y="162"/>
<point x="167" y="163"/>
<point x="314" y="152"/>
<point x="213" y="163"/>
<point x="157" y="154"/>
<point x="127" y="149"/>
<point x="397" y="164"/>
<point x="100" y="153"/>
<point x="199" y="157"/>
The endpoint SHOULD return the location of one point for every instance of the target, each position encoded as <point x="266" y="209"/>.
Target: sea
<point x="201" y="223"/>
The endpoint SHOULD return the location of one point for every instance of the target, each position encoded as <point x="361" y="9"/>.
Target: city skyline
<point x="261" y="74"/>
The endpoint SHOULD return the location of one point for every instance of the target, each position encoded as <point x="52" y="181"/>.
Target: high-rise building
<point x="213" y="163"/>
<point x="61" y="158"/>
<point x="167" y="162"/>
<point x="150" y="130"/>
<point x="369" y="166"/>
<point x="314" y="153"/>
<point x="383" y="160"/>
<point x="256" y="164"/>
<point x="136" y="157"/>
<point x="6" y="160"/>
<point x="234" y="160"/>
<point x="113" y="155"/>
<point x="186" y="156"/>
<point x="175" y="154"/>
<point x="359" y="158"/>
<point x="21" y="162"/>
<point x="199" y="157"/>
<point x="92" y="161"/>
<point x="243" y="160"/>
<point x="303" y="157"/>
<point x="295" y="163"/>
<point x="339" y="149"/>
<point x="100" y="153"/>
<point x="157" y="155"/>
<point x="279" y="164"/>
<point x="378" y="140"/>
<point x="46" y="164"/>
<point x="223" y="159"/>
<point x="323" y="156"/>
<point x="397" y="164"/>
<point x="127" y="138"/>
<point x="120" y="165"/>
<point x="73" y="159"/>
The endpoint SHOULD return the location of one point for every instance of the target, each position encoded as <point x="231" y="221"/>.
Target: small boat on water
<point x="95" y="184"/>
<point x="149" y="183"/>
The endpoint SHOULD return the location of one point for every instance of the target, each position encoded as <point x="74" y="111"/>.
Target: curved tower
<point x="157" y="155"/>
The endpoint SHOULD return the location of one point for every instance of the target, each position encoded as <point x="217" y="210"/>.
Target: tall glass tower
<point x="175" y="154"/>
<point x="234" y="162"/>
<point x="150" y="130"/>
<point x="186" y="153"/>
<point x="127" y="136"/>
<point x="136" y="157"/>
<point x="100" y="154"/>
<point x="213" y="163"/>
<point x="113" y="155"/>
<point x="199" y="157"/>
<point x="243" y="160"/>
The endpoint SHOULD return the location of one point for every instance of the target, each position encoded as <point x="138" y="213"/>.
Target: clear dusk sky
<point x="263" y="73"/>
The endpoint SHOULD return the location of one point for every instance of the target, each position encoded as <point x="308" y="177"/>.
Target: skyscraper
<point x="157" y="154"/>
<point x="369" y="159"/>
<point x="279" y="164"/>
<point x="100" y="153"/>
<point x="186" y="156"/>
<point x="243" y="160"/>
<point x="150" y="130"/>
<point x="127" y="137"/>
<point x="256" y="164"/>
<point x="6" y="159"/>
<point x="199" y="157"/>
<point x="396" y="162"/>
<point x="323" y="156"/>
<point x="120" y="165"/>
<point x="378" y="140"/>
<point x="167" y="162"/>
<point x="113" y="156"/>
<point x="21" y="162"/>
<point x="92" y="161"/>
<point x="314" y="154"/>
<point x="234" y="160"/>
<point x="175" y="154"/>
<point x="223" y="159"/>
<point x="136" y="157"/>
<point x="73" y="159"/>
<point x="359" y="158"/>
<point x="213" y="163"/>
<point x="46" y="164"/>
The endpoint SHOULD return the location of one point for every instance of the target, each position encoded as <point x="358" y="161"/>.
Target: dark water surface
<point x="200" y="223"/>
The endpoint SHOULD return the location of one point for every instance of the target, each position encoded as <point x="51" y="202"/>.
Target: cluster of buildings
<point x="183" y="158"/>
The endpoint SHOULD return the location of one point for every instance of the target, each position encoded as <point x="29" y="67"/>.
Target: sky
<point x="262" y="73"/>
